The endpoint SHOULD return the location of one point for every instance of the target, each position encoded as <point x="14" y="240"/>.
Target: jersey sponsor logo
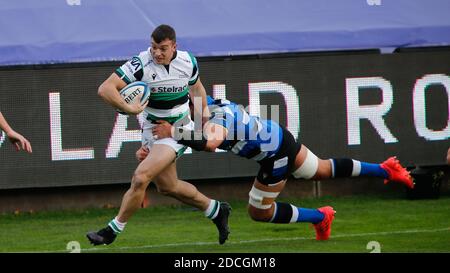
<point x="136" y="64"/>
<point x="129" y="68"/>
<point x="132" y="96"/>
<point x="168" y="89"/>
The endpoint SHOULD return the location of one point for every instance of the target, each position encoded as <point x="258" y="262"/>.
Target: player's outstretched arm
<point x="212" y="136"/>
<point x="215" y="135"/>
<point x="19" y="141"/>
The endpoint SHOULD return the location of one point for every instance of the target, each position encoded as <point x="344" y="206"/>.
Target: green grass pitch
<point x="392" y="222"/>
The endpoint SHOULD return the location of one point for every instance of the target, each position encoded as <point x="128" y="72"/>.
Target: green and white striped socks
<point x="213" y="209"/>
<point x="211" y="212"/>
<point x="116" y="226"/>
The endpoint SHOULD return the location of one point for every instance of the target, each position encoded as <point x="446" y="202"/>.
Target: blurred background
<point x="365" y="79"/>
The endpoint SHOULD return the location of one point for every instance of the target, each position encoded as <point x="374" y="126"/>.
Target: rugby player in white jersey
<point x="172" y="76"/>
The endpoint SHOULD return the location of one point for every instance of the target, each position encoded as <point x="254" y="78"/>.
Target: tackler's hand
<point x="142" y="153"/>
<point x="162" y="130"/>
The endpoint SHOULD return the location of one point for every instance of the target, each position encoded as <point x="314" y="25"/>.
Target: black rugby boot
<point x="221" y="222"/>
<point x="105" y="236"/>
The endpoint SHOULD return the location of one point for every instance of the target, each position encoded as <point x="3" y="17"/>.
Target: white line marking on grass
<point x="255" y="241"/>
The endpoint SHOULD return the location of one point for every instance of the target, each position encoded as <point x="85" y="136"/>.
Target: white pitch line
<point x="254" y="241"/>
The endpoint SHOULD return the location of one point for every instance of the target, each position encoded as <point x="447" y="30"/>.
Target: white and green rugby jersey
<point x="169" y="84"/>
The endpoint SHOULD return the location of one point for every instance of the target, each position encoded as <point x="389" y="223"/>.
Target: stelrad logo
<point x="171" y="89"/>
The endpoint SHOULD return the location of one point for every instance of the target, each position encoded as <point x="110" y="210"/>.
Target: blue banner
<point x="59" y="31"/>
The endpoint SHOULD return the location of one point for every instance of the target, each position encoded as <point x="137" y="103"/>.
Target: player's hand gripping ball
<point x="130" y="92"/>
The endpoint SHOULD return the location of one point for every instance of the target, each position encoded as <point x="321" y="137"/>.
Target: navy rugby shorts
<point x="280" y="166"/>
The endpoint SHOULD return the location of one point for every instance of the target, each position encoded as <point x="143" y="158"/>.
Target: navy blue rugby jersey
<point x="248" y="136"/>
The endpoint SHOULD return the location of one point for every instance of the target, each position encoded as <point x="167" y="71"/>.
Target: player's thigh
<point x="308" y="165"/>
<point x="159" y="158"/>
<point x="261" y="199"/>
<point x="149" y="140"/>
<point x="167" y="178"/>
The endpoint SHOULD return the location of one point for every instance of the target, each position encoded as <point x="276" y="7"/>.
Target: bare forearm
<point x="110" y="94"/>
<point x="4" y="124"/>
<point x="198" y="91"/>
<point x="208" y="140"/>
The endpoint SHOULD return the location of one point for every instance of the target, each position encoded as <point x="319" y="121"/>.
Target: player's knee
<point x="259" y="215"/>
<point x="310" y="167"/>
<point x="261" y="203"/>
<point x="323" y="170"/>
<point x="140" y="181"/>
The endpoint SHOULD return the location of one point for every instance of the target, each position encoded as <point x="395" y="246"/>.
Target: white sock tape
<point x="309" y="167"/>
<point x="257" y="196"/>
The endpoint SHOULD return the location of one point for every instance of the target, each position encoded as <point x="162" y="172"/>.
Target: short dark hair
<point x="163" y="32"/>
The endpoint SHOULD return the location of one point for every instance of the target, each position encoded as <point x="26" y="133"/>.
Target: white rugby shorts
<point x="149" y="140"/>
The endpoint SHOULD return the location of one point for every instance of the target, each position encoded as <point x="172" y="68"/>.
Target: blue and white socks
<point x="346" y="167"/>
<point x="287" y="213"/>
<point x="309" y="215"/>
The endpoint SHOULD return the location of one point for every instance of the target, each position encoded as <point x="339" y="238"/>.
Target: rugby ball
<point x="130" y="92"/>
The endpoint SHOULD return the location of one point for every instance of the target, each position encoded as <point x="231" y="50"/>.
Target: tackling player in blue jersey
<point x="280" y="155"/>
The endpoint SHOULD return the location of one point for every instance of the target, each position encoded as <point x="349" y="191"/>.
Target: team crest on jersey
<point x="134" y="65"/>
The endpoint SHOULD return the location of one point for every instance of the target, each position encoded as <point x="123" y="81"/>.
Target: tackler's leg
<point x="263" y="207"/>
<point x="309" y="166"/>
